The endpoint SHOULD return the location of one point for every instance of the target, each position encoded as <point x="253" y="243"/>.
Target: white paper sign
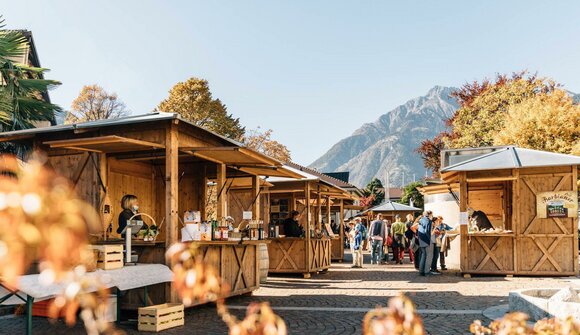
<point x="463" y="218"/>
<point x="247" y="215"/>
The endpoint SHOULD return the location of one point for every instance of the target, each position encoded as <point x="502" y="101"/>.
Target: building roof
<point x="512" y="157"/>
<point x="390" y="206"/>
<point x="132" y="119"/>
<point x="311" y="174"/>
<point x="344" y="176"/>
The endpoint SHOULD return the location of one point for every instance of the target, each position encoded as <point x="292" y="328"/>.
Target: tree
<point x="262" y="141"/>
<point x="430" y="151"/>
<point x="22" y="88"/>
<point x="94" y="103"/>
<point x="482" y="112"/>
<point x="410" y="193"/>
<point x="374" y="193"/>
<point x="193" y="100"/>
<point x="483" y="107"/>
<point x="549" y="122"/>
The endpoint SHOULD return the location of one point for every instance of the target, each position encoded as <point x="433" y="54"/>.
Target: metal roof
<point x="512" y="157"/>
<point x="133" y="119"/>
<point x="389" y="206"/>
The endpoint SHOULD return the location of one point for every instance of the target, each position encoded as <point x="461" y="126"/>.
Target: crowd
<point x="423" y="238"/>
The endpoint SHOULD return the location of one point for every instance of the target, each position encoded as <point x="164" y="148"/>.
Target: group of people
<point x="423" y="238"/>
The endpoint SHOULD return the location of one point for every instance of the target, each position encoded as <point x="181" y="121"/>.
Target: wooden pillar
<point x="203" y="200"/>
<point x="256" y="197"/>
<point x="463" y="199"/>
<point x="515" y="215"/>
<point x="221" y="210"/>
<point x="103" y="199"/>
<point x="171" y="194"/>
<point x="171" y="185"/>
<point x="308" y="223"/>
<point x="319" y="211"/>
<point x="328" y="210"/>
<point x="341" y="227"/>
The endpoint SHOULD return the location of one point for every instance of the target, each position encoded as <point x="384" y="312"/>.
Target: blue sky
<point x="313" y="71"/>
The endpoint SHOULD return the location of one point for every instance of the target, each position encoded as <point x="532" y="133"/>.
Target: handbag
<point x="389" y="241"/>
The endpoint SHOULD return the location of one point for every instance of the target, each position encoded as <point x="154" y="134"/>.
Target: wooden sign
<point x="562" y="204"/>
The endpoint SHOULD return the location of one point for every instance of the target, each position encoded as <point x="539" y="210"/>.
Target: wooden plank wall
<point x="545" y="246"/>
<point x="71" y="167"/>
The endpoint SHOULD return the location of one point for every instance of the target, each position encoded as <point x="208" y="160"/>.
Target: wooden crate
<point x="160" y="317"/>
<point x="110" y="256"/>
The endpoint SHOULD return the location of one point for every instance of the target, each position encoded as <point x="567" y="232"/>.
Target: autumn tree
<point x="411" y="195"/>
<point x="94" y="103"/>
<point x="549" y="122"/>
<point x="193" y="100"/>
<point x="483" y="107"/>
<point x="374" y="193"/>
<point x="262" y="141"/>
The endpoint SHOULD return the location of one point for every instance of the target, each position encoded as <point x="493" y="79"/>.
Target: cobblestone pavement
<point x="335" y="302"/>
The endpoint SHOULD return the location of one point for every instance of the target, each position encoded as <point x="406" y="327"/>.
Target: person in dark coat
<point x="130" y="205"/>
<point x="424" y="237"/>
<point x="291" y="226"/>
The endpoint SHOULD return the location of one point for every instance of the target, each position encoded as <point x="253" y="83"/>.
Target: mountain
<point x="389" y="143"/>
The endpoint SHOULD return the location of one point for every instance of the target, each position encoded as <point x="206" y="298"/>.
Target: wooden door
<point x="545" y="246"/>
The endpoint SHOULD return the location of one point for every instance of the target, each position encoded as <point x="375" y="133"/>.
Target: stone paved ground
<point x="335" y="302"/>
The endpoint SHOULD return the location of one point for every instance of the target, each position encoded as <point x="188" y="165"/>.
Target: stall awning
<point x="105" y="144"/>
<point x="242" y="159"/>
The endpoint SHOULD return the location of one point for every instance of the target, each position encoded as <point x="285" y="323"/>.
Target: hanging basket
<point x="148" y="237"/>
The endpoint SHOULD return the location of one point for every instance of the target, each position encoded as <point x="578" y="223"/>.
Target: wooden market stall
<point x="530" y="198"/>
<point x="315" y="199"/>
<point x="172" y="166"/>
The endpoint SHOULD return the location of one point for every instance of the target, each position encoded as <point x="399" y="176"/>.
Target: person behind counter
<point x="291" y="226"/>
<point x="130" y="205"/>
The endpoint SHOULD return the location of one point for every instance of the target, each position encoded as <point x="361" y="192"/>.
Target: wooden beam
<point x="259" y="157"/>
<point x="195" y="149"/>
<point x="318" y="209"/>
<point x="256" y="197"/>
<point x="341" y="228"/>
<point x="171" y="193"/>
<point x="491" y="179"/>
<point x="575" y="220"/>
<point x="100" y="140"/>
<point x="463" y="200"/>
<point x="308" y="225"/>
<point x="328" y="210"/>
<point x="221" y="210"/>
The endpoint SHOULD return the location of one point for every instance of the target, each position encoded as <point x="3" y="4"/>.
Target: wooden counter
<point x="293" y="255"/>
<point x="237" y="263"/>
<point x="490" y="253"/>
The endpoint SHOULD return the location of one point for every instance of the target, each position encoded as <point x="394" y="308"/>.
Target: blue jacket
<point x="357" y="240"/>
<point x="424" y="229"/>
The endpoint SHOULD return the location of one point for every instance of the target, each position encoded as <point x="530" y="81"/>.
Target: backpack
<point x="377" y="228"/>
<point x="363" y="231"/>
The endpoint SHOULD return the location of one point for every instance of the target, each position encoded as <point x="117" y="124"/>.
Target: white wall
<point x="444" y="205"/>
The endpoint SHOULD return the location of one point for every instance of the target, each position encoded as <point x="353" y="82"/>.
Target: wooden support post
<point x="319" y="211"/>
<point x="515" y="216"/>
<point x="463" y="199"/>
<point x="203" y="200"/>
<point x="341" y="228"/>
<point x="171" y="193"/>
<point x="171" y="185"/>
<point x="328" y="210"/>
<point x="256" y="197"/>
<point x="221" y="210"/>
<point x="307" y="228"/>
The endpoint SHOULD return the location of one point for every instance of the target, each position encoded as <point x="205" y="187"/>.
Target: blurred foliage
<point x="517" y="324"/>
<point x="399" y="318"/>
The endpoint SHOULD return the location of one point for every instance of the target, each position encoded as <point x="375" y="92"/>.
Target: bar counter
<point x="294" y="255"/>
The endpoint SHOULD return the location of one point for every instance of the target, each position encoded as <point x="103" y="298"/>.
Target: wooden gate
<point x="545" y="246"/>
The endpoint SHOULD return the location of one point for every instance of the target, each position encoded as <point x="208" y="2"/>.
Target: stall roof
<point x="389" y="206"/>
<point x="231" y="153"/>
<point x="512" y="157"/>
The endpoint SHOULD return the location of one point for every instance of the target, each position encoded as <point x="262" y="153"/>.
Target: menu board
<point x="562" y="204"/>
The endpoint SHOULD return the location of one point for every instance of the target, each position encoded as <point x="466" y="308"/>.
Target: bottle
<point x="215" y="231"/>
<point x="260" y="230"/>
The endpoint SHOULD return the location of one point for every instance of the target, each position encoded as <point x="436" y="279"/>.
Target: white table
<point x="126" y="278"/>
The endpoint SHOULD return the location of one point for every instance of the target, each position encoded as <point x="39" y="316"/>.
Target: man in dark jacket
<point x="424" y="237"/>
<point x="291" y="226"/>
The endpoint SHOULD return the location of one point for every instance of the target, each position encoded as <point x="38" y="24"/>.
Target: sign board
<point x="247" y="215"/>
<point x="562" y="204"/>
<point x="463" y="218"/>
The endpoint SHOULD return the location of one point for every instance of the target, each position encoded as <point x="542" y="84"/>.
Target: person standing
<point x="424" y="232"/>
<point x="442" y="228"/>
<point x="358" y="244"/>
<point x="351" y="235"/>
<point x="377" y="236"/>
<point x="409" y="236"/>
<point x="398" y="230"/>
<point x="292" y="227"/>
